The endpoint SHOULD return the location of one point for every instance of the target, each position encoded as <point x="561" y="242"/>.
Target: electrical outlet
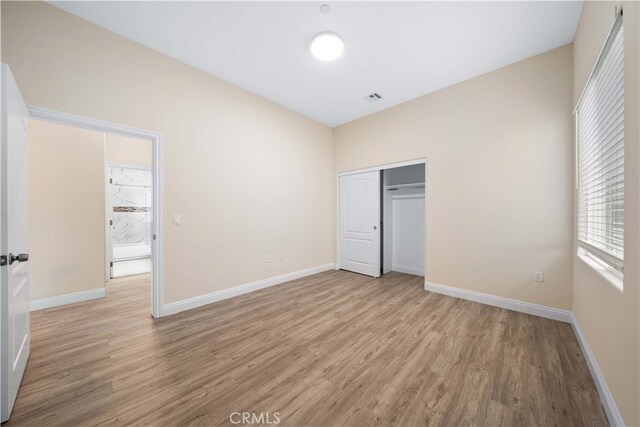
<point x="281" y="256"/>
<point x="268" y="257"/>
<point x="177" y="219"/>
<point x="538" y="276"/>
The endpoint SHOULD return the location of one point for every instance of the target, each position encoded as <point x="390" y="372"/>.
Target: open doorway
<point x="381" y="224"/>
<point x="94" y="209"/>
<point x="129" y="203"/>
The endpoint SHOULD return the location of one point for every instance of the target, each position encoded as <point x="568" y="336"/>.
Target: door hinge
<point x="111" y="264"/>
<point x="110" y="180"/>
<point x="3" y="260"/>
<point x="110" y="222"/>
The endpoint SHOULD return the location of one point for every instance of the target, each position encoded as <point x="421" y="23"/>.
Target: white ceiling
<point x="400" y="50"/>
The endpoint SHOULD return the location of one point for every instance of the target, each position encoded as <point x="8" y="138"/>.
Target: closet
<point x="403" y="218"/>
<point x="382" y="220"/>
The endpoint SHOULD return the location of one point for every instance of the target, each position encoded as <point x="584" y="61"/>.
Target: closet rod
<point x="400" y="186"/>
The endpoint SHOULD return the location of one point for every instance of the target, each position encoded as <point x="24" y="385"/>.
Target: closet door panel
<point x="359" y="231"/>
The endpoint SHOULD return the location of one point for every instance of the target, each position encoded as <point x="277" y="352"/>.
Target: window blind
<point x="600" y="138"/>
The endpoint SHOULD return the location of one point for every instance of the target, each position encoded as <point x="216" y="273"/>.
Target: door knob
<point x="20" y="258"/>
<point x="375" y="227"/>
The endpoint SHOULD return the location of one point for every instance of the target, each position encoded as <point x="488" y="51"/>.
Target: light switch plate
<point x="177" y="219"/>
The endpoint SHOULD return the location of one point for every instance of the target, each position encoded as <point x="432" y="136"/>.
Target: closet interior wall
<point x="403" y="219"/>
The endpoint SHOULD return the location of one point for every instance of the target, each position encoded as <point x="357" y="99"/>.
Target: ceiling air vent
<point x="374" y="97"/>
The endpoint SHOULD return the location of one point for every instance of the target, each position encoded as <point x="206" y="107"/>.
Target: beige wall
<point x="249" y="177"/>
<point x="67" y="209"/>
<point x="67" y="204"/>
<point x="608" y="316"/>
<point x="499" y="176"/>
<point x="123" y="149"/>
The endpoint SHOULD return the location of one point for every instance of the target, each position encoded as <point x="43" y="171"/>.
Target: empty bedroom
<point x="307" y="213"/>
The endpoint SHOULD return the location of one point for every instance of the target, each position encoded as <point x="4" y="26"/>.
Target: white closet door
<point x="360" y="223"/>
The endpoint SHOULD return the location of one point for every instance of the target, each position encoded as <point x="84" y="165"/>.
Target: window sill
<point x="610" y="275"/>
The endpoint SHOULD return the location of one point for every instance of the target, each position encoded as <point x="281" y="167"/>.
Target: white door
<point x="14" y="243"/>
<point x="360" y="223"/>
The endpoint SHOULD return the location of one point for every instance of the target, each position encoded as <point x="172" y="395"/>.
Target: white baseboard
<point x="188" y="304"/>
<point x="615" y="419"/>
<point x="407" y="270"/>
<point x="509" y="304"/>
<point x="42" y="303"/>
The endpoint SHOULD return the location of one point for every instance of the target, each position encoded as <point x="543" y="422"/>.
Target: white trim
<point x="188" y="304"/>
<point x="401" y="186"/>
<point x="615" y="419"/>
<point x="88" y="123"/>
<point x="108" y="216"/>
<point x="601" y="268"/>
<point x="156" y="139"/>
<point x="42" y="303"/>
<point x="385" y="166"/>
<point x="496" y="301"/>
<point x="408" y="270"/>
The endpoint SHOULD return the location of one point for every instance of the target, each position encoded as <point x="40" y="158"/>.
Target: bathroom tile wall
<point x="131" y="201"/>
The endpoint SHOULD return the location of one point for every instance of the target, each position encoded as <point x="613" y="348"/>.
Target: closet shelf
<point x="411" y="185"/>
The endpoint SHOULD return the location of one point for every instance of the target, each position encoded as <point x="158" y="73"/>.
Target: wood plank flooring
<point x="334" y="349"/>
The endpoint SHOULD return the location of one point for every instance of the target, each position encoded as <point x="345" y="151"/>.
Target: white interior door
<point x="14" y="243"/>
<point x="359" y="232"/>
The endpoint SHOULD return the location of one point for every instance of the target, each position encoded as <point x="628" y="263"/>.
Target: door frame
<point x="156" y="170"/>
<point x="382" y="167"/>
<point x="108" y="205"/>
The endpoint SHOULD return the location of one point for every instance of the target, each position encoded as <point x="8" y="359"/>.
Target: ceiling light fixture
<point x="327" y="46"/>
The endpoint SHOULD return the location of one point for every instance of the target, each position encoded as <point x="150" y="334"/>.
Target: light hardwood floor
<point x="332" y="349"/>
